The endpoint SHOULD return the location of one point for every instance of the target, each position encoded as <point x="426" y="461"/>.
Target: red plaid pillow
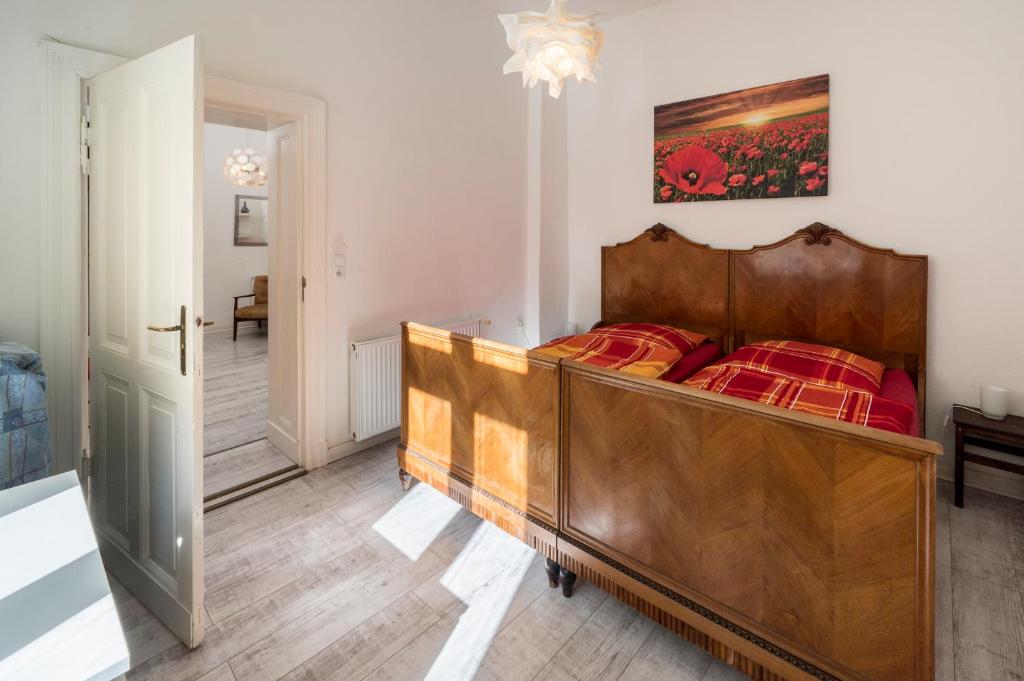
<point x="643" y="349"/>
<point x="656" y="334"/>
<point x="809" y="363"/>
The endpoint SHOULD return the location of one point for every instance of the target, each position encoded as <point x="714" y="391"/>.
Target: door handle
<point x="181" y="329"/>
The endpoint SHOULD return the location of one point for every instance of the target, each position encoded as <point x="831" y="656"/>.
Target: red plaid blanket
<point x="776" y="388"/>
<point x="642" y="349"/>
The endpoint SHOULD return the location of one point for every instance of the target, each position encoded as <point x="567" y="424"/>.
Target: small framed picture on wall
<point x="250" y="220"/>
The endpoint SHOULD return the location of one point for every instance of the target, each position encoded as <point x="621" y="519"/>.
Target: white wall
<point x="554" y="234"/>
<point x="547" y="222"/>
<point x="227" y="269"/>
<point x="925" y="153"/>
<point x="19" y="180"/>
<point x="426" y="155"/>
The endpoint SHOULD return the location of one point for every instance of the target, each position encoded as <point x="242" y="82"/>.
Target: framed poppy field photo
<point x="764" y="142"/>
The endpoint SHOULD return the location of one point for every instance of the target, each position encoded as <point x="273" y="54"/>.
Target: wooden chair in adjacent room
<point x="258" y="310"/>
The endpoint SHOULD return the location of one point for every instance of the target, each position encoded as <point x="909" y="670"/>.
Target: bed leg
<point x="405" y="479"/>
<point x="552" y="568"/>
<point x="568" y="582"/>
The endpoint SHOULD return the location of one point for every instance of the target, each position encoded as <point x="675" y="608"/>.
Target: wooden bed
<point x="788" y="545"/>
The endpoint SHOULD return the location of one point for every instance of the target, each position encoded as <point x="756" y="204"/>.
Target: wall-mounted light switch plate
<point x="339" y="265"/>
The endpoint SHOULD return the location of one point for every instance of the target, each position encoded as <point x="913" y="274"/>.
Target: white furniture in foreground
<point x="57" y="617"/>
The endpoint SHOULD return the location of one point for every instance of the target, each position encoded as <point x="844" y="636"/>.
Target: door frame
<point x="310" y="116"/>
<point x="64" y="256"/>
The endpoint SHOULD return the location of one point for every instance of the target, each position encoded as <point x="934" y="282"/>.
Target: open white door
<point x="145" y="290"/>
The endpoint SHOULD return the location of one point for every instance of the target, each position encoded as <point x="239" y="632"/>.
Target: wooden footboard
<point x="480" y="422"/>
<point x="792" y="546"/>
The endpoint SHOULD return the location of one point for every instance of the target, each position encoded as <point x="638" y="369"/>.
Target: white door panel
<point x="284" y="335"/>
<point x="145" y="234"/>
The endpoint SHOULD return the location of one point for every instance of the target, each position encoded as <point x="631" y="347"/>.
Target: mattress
<point x="899" y="386"/>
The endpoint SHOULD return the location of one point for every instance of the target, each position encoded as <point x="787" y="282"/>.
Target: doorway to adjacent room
<point x="242" y="241"/>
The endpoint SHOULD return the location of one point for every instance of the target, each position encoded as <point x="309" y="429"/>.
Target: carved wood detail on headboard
<point x="818" y="233"/>
<point x="663" y="277"/>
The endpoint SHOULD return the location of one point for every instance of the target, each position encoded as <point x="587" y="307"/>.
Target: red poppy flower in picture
<point x="808" y="167"/>
<point x="695" y="170"/>
<point x="726" y="146"/>
<point x="814" y="184"/>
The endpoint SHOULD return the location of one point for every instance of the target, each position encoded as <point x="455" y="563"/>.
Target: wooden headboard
<point x="662" y="277"/>
<point x="817" y="285"/>
<point x="822" y="286"/>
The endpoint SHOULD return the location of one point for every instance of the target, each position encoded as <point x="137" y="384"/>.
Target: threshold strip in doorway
<point x="228" y="449"/>
<point x="246" y="489"/>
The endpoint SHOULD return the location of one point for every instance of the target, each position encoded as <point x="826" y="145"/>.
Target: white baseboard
<point x="336" y="452"/>
<point x="288" y="445"/>
<point x="985" y="478"/>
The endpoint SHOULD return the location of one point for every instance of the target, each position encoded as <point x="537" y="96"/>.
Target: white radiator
<point x="375" y="381"/>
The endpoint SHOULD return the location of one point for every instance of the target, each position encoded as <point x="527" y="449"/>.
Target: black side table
<point x="974" y="429"/>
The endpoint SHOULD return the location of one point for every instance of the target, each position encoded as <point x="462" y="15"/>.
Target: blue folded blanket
<point x="25" y="450"/>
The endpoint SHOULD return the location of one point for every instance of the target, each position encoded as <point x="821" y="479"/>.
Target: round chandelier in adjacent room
<point x="552" y="46"/>
<point x="246" y="168"/>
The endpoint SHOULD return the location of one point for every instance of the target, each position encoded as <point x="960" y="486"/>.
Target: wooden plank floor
<point x="340" y="576"/>
<point x="234" y="390"/>
<point x="233" y="467"/>
<point x="236" y="450"/>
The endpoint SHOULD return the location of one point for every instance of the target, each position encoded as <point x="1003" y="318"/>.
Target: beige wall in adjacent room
<point x="925" y="153"/>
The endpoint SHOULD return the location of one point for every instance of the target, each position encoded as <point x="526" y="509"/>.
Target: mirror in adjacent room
<point x="250" y="220"/>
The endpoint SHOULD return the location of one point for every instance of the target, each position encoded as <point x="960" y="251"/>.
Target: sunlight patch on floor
<point x="485" y="575"/>
<point x="413" y="524"/>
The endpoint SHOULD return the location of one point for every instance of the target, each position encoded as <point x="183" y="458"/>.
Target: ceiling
<point x="607" y="9"/>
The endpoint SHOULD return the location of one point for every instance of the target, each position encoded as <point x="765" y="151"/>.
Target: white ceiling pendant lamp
<point x="246" y="167"/>
<point x="552" y="46"/>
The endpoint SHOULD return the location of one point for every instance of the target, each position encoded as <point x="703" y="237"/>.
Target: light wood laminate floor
<point x="340" y="576"/>
<point x="234" y="467"/>
<point x="236" y="450"/>
<point x="234" y="390"/>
